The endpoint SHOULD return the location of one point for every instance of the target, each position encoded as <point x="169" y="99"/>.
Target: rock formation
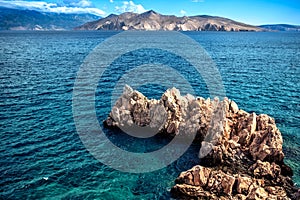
<point x="261" y="181"/>
<point x="241" y="153"/>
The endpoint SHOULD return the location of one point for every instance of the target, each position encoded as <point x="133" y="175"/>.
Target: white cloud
<point x="129" y="6"/>
<point x="182" y="12"/>
<point x="198" y="1"/>
<point x="53" y="7"/>
<point x="111" y="1"/>
<point x="82" y="3"/>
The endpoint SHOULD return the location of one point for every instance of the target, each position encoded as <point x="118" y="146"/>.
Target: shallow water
<point x="42" y="155"/>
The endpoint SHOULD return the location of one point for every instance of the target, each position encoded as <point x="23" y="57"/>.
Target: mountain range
<point x="152" y="20"/>
<point x="18" y="19"/>
<point x="281" y="27"/>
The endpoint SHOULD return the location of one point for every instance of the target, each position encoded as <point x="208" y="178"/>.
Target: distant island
<point x="281" y="27"/>
<point x="152" y="20"/>
<point x="20" y="19"/>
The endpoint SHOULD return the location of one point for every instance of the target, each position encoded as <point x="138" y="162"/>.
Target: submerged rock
<point x="241" y="153"/>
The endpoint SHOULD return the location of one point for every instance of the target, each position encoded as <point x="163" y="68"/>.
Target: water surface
<point x="41" y="153"/>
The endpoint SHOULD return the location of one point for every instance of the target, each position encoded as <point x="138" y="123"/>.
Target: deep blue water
<point x="42" y="155"/>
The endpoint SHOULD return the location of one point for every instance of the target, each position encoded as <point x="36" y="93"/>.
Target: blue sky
<point x="254" y="12"/>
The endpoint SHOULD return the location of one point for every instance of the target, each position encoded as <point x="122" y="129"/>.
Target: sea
<point x="42" y="155"/>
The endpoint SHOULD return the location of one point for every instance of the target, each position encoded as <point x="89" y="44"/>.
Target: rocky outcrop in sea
<point x="241" y="153"/>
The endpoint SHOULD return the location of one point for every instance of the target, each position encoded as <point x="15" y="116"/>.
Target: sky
<point x="255" y="12"/>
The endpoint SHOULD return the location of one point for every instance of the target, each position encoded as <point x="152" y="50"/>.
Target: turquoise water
<point x="42" y="156"/>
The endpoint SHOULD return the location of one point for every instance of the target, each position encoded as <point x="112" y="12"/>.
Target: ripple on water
<point x="42" y="155"/>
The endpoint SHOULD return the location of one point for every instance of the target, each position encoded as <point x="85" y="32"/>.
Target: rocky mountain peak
<point x="151" y="12"/>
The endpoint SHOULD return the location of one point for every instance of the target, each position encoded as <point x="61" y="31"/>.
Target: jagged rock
<point x="243" y="184"/>
<point x="246" y="128"/>
<point x="169" y="115"/>
<point x="217" y="182"/>
<point x="186" y="191"/>
<point x="243" y="150"/>
<point x="263" y="121"/>
<point x="276" y="191"/>
<point x="219" y="185"/>
<point x="258" y="193"/>
<point x="234" y="107"/>
<point x="239" y="197"/>
<point x="197" y="176"/>
<point x="267" y="145"/>
<point x="265" y="169"/>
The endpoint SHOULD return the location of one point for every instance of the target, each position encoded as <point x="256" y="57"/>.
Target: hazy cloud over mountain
<point x="78" y="3"/>
<point x="68" y="6"/>
<point x="130" y="6"/>
<point x="182" y="12"/>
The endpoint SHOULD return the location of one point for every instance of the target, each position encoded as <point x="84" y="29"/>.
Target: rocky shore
<point x="241" y="153"/>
